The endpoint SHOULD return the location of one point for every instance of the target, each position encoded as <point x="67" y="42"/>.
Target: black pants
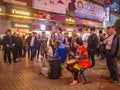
<point x="9" y="50"/>
<point x="31" y="52"/>
<point x="112" y="66"/>
<point x="75" y="73"/>
<point x="5" y="54"/>
<point x="23" y="51"/>
<point x="18" y="51"/>
<point x="37" y="51"/>
<point x="92" y="58"/>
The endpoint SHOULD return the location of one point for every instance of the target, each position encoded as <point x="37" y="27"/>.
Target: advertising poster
<point x="85" y="9"/>
<point x="57" y="6"/>
<point x="115" y="6"/>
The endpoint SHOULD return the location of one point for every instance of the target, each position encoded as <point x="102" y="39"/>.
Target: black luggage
<point x="55" y="69"/>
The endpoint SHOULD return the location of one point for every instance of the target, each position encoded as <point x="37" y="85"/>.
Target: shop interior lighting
<point x="43" y="27"/>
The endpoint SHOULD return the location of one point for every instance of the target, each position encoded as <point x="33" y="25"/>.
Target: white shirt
<point x="32" y="41"/>
<point x="110" y="40"/>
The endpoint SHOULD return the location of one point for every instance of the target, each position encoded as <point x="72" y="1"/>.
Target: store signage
<point x="39" y="15"/>
<point x="21" y="25"/>
<point x="84" y="9"/>
<point x="16" y="2"/>
<point x="58" y="6"/>
<point x="100" y="1"/>
<point x="44" y="15"/>
<point x="20" y="12"/>
<point x="107" y="14"/>
<point x="91" y="23"/>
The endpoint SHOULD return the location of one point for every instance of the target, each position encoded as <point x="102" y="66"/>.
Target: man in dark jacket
<point x="32" y="41"/>
<point x="18" y="47"/>
<point x="92" y="45"/>
<point x="111" y="53"/>
<point x="10" y="43"/>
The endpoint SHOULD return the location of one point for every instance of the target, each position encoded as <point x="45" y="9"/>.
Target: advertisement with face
<point x="84" y="9"/>
<point x="58" y="6"/>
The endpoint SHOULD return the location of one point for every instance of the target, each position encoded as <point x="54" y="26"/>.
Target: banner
<point x="115" y="6"/>
<point x="85" y="9"/>
<point x="57" y="6"/>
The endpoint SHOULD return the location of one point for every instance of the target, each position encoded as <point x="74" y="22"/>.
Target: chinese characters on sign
<point x="85" y="9"/>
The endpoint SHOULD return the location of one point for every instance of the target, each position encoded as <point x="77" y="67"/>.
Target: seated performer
<point x="74" y="65"/>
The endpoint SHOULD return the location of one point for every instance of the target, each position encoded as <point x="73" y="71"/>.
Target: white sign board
<point x="57" y="6"/>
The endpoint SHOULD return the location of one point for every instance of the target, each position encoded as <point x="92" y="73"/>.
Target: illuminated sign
<point x="16" y="2"/>
<point x="21" y="25"/>
<point x="20" y="12"/>
<point x="107" y="14"/>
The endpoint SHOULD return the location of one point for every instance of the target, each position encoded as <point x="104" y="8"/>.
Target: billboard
<point x="84" y="9"/>
<point x="115" y="6"/>
<point x="57" y="6"/>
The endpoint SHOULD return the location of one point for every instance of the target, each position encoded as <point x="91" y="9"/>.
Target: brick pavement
<point x="24" y="75"/>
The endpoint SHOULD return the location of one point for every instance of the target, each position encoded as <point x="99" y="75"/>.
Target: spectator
<point x="10" y="43"/>
<point x="92" y="45"/>
<point x="111" y="53"/>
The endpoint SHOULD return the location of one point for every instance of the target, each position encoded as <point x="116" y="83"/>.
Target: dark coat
<point x="92" y="44"/>
<point x="7" y="40"/>
<point x="115" y="48"/>
<point x="29" y="41"/>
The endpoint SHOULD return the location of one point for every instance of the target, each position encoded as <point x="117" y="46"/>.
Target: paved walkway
<point x="24" y="75"/>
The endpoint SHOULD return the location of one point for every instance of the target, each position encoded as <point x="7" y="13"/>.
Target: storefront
<point x="21" y="28"/>
<point x="20" y="19"/>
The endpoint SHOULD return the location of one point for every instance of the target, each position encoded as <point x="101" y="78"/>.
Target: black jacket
<point x="115" y="48"/>
<point x="92" y="43"/>
<point x="7" y="40"/>
<point x="29" y="41"/>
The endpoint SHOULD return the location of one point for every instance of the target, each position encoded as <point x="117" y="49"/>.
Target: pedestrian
<point x="92" y="45"/>
<point x="10" y="46"/>
<point x="32" y="40"/>
<point x="75" y="42"/>
<point x="111" y="53"/>
<point x="18" y="46"/>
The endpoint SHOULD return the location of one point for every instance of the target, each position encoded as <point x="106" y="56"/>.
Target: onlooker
<point x="102" y="45"/>
<point x="111" y="52"/>
<point x="75" y="42"/>
<point x="43" y="49"/>
<point x="52" y="43"/>
<point x="18" y="46"/>
<point x="67" y="43"/>
<point x="92" y="45"/>
<point x="23" y="46"/>
<point x="10" y="45"/>
<point x="32" y="40"/>
<point x="37" y="46"/>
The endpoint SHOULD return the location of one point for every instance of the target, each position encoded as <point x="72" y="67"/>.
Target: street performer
<point x="76" y="64"/>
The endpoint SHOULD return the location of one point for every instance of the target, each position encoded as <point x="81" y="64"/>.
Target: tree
<point x="117" y="25"/>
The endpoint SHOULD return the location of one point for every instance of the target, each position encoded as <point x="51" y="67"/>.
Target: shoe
<point x="114" y="81"/>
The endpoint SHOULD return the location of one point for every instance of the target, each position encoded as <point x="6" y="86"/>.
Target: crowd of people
<point x="65" y="48"/>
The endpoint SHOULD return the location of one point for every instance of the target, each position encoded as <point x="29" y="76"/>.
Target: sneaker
<point x="114" y="81"/>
